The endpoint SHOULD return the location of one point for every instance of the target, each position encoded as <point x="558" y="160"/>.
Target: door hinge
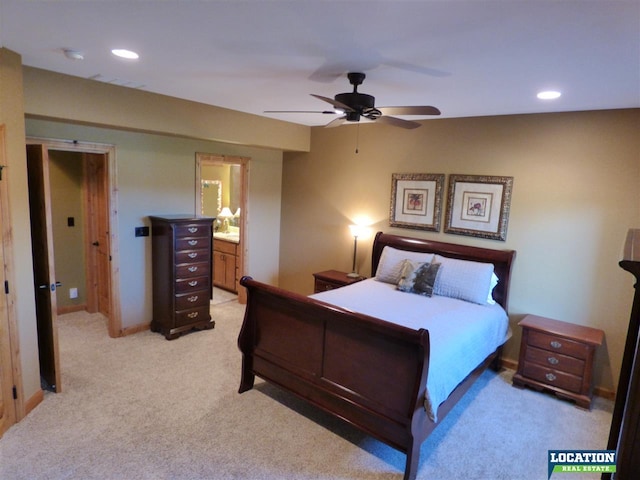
<point x="15" y="393"/>
<point x="6" y="287"/>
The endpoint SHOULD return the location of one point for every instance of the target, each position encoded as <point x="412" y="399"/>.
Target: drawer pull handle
<point x="193" y="298"/>
<point x="192" y="255"/>
<point x="192" y="315"/>
<point x="193" y="283"/>
<point x="550" y="376"/>
<point x="193" y="269"/>
<point x="193" y="242"/>
<point x="193" y="229"/>
<point x="556" y="344"/>
<point x="553" y="360"/>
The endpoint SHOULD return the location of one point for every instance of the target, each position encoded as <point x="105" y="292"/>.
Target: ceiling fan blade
<point x="332" y="112"/>
<point x="335" y="103"/>
<point x="336" y="123"/>
<point x="397" y="122"/>
<point x="417" y="110"/>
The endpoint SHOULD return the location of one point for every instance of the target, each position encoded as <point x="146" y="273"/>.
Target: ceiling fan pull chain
<point x="357" y="137"/>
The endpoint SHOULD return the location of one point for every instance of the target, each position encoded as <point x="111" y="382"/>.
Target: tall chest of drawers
<point x="182" y="273"/>
<point x="559" y="357"/>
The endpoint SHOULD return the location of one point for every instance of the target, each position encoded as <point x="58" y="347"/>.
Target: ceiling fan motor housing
<point x="357" y="101"/>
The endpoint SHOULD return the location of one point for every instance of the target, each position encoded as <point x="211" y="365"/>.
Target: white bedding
<point x="462" y="334"/>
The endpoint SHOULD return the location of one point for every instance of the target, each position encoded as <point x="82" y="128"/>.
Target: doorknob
<point x="95" y="244"/>
<point x="53" y="286"/>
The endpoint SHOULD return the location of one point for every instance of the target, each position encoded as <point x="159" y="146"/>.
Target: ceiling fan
<point x="355" y="105"/>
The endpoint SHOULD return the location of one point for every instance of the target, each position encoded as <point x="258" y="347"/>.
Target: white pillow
<point x="464" y="279"/>
<point x="390" y="264"/>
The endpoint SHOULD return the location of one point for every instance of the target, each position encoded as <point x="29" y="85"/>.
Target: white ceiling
<point x="468" y="58"/>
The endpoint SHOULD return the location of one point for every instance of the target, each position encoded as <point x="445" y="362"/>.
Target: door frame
<point x="11" y="373"/>
<point x="217" y="159"/>
<point x="114" y="320"/>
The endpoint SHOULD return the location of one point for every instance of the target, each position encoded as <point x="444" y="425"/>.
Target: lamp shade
<point x="356" y="230"/>
<point x="632" y="246"/>
<point x="225" y="213"/>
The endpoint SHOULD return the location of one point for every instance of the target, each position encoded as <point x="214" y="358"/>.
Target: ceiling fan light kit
<point x="354" y="105"/>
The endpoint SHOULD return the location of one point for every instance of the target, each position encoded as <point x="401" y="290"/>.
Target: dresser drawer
<point x="191" y="256"/>
<point x="192" y="300"/>
<point x="193" y="230"/>
<point x="189" y="243"/>
<point x="555" y="360"/>
<point x="187" y="285"/>
<point x="190" y="271"/>
<point x="187" y="317"/>
<point x="549" y="376"/>
<point x="557" y="344"/>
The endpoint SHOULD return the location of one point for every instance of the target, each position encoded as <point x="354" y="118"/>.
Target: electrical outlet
<point x="73" y="293"/>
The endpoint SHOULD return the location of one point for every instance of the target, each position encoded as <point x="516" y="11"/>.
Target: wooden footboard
<point x="366" y="371"/>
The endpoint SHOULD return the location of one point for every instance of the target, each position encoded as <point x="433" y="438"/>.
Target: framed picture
<point x="416" y="200"/>
<point x="478" y="206"/>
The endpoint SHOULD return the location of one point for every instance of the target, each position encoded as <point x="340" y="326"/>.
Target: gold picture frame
<point x="478" y="206"/>
<point x="416" y="200"/>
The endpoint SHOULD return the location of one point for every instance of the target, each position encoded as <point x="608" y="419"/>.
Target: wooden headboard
<point x="502" y="259"/>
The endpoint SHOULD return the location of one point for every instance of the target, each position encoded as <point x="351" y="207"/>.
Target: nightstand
<point x="558" y="356"/>
<point x="330" y="279"/>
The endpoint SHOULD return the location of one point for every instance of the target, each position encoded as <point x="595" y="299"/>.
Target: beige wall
<point x="156" y="176"/>
<point x="57" y="96"/>
<point x="576" y="178"/>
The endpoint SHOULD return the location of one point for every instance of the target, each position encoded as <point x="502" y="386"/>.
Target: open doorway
<point x="221" y="192"/>
<point x="72" y="210"/>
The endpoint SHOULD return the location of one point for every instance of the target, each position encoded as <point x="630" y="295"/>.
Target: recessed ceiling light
<point x="73" y="54"/>
<point x="548" y="95"/>
<point x="122" y="53"/>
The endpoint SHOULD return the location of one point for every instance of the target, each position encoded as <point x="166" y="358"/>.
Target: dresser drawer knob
<point x="556" y="344"/>
<point x="192" y="255"/>
<point x="192" y="315"/>
<point x="193" y="298"/>
<point x="193" y="269"/>
<point x="193" y="283"/>
<point x="193" y="242"/>
<point x="553" y="360"/>
<point x="550" y="376"/>
<point x="193" y="229"/>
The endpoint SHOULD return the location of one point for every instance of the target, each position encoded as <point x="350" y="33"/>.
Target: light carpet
<point x="142" y="407"/>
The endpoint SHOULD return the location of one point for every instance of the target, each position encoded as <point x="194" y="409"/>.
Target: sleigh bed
<point x="352" y="357"/>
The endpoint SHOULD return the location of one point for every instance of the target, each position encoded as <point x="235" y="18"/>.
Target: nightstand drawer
<point x="557" y="344"/>
<point x="322" y="286"/>
<point x="330" y="279"/>
<point x="552" y="377"/>
<point x="555" y="360"/>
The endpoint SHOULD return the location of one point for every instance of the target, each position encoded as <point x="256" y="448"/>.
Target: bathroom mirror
<point x="211" y="197"/>
<point x="221" y="187"/>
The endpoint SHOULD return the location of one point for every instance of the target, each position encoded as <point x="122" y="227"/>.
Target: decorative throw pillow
<point x="464" y="279"/>
<point x="418" y="277"/>
<point x="390" y="264"/>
